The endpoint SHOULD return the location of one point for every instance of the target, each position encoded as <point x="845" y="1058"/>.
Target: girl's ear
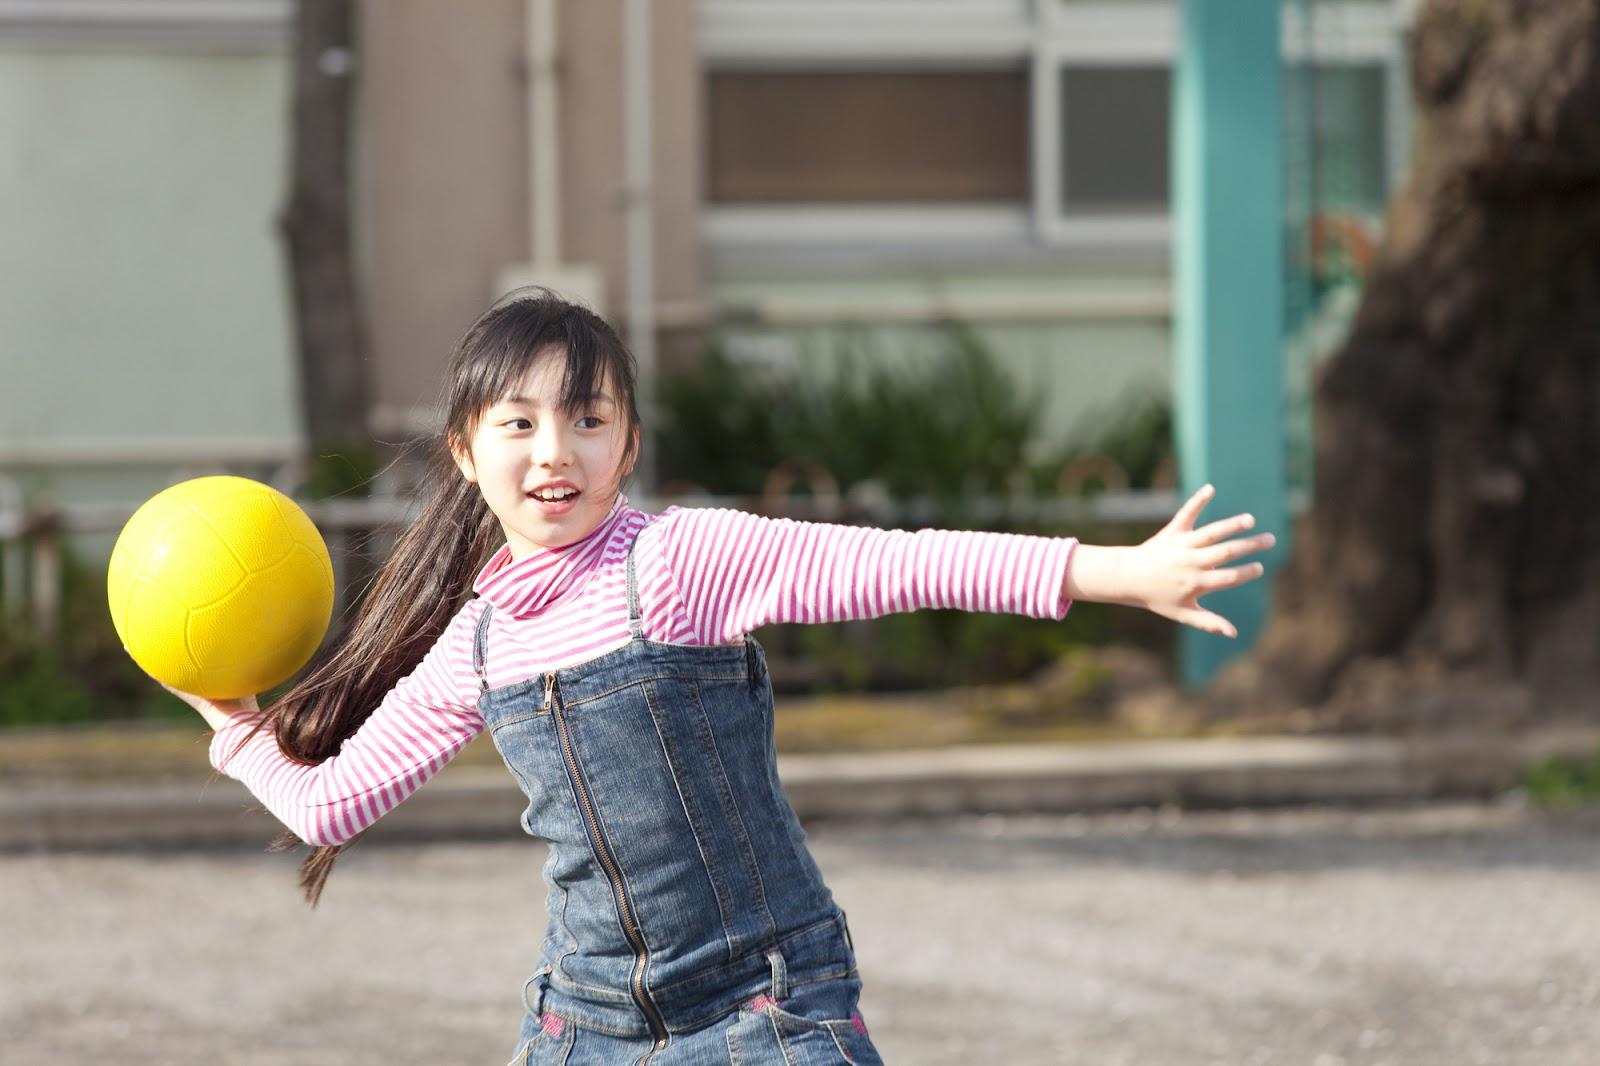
<point x="463" y="461"/>
<point x="638" y="439"/>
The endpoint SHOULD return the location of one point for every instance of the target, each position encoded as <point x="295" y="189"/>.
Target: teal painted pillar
<point x="1228" y="241"/>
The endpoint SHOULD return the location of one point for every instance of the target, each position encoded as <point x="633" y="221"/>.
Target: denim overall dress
<point x="688" y="923"/>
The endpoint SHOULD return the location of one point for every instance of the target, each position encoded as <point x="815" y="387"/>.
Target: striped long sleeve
<point x="736" y="571"/>
<point x="705" y="577"/>
<point x="421" y="724"/>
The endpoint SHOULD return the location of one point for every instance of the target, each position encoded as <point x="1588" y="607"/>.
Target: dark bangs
<point x="508" y="339"/>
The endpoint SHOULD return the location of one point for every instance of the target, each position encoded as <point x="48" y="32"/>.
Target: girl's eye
<point x="514" y="420"/>
<point x="598" y="422"/>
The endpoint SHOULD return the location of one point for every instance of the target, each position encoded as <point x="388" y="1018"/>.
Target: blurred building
<point x="761" y="172"/>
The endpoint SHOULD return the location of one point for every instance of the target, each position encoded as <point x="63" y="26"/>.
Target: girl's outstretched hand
<point x="1169" y="572"/>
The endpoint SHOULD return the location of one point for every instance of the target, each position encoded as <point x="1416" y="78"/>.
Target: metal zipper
<point x="658" y="1025"/>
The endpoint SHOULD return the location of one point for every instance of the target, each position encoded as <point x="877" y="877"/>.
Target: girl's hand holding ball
<point x="1169" y="572"/>
<point x="217" y="712"/>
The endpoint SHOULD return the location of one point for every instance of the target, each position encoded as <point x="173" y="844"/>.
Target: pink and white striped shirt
<point x="705" y="577"/>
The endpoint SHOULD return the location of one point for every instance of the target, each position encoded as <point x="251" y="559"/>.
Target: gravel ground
<point x="1438" y="935"/>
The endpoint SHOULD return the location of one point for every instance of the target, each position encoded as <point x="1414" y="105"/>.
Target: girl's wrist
<point x="219" y="714"/>
<point x="1099" y="574"/>
<point x="215" y="716"/>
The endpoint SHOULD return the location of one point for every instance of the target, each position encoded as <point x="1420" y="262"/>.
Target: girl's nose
<point x="551" y="447"/>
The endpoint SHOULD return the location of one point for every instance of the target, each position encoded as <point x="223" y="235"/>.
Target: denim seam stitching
<point x="606" y="834"/>
<point x="571" y="703"/>
<point x="571" y="946"/>
<point x="704" y="970"/>
<point x="595" y="663"/>
<point x="503" y="722"/>
<point x="527" y="682"/>
<point x="719" y="888"/>
<point x="621" y="999"/>
<point x="722" y="1011"/>
<point x="801" y="1024"/>
<point x="597" y="1027"/>
<point x="838" y="1042"/>
<point x="752" y="867"/>
<point x="777" y="1034"/>
<point x="568" y="1040"/>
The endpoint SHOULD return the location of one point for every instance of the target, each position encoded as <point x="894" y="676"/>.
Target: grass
<point x="176" y="753"/>
<point x="1564" y="782"/>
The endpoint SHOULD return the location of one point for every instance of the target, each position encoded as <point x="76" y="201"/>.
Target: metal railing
<point x="33" y="531"/>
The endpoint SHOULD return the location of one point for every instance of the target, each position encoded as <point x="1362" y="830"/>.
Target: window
<point x="1114" y="139"/>
<point x="899" y="136"/>
<point x="1014" y="123"/>
<point x="1346" y="109"/>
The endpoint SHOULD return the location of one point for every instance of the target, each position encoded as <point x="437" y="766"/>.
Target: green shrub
<point x="956" y="427"/>
<point x="1135" y="432"/>
<point x="1559" y="782"/>
<point x="85" y="675"/>
<point x="37" y="689"/>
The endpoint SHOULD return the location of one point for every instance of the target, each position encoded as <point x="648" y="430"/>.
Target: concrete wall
<point x="445" y="171"/>
<point x="142" y="295"/>
<point x="592" y="120"/>
<point x="142" y="298"/>
<point x="443" y="185"/>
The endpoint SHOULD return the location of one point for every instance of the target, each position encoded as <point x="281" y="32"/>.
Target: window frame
<point x="1040" y="37"/>
<point x="200" y="25"/>
<point x="1092" y="36"/>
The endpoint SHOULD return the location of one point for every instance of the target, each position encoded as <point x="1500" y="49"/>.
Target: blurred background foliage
<point x="956" y="428"/>
<point x="945" y="429"/>
<point x="85" y="676"/>
<point x="952" y="428"/>
<point x="1563" y="782"/>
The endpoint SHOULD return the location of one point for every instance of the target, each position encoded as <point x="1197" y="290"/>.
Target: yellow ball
<point x="220" y="586"/>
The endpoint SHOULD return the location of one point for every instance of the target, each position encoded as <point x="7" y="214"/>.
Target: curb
<point x="473" y="803"/>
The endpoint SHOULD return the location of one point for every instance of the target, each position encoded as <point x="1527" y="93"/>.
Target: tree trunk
<point x="1446" y="572"/>
<point x="330" y="338"/>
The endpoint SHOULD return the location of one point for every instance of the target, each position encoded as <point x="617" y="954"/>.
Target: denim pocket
<point x="818" y="1025"/>
<point x="549" y="1045"/>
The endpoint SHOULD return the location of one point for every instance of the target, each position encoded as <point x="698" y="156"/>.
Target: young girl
<point x="606" y="652"/>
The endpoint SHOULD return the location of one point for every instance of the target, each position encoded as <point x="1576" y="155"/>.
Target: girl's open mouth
<point x="554" y="507"/>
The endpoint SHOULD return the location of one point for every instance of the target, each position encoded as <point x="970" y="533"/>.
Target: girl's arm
<point x="421" y="724"/>
<point x="736" y="572"/>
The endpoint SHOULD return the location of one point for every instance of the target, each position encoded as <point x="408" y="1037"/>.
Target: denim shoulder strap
<point x="480" y="649"/>
<point x="635" y="621"/>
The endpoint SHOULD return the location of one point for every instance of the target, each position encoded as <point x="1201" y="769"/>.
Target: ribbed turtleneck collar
<point x="528" y="586"/>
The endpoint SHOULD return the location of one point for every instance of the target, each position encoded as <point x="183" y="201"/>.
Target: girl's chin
<point x="524" y="545"/>
<point x="552" y="534"/>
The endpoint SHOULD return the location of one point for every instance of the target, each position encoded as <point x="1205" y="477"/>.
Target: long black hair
<point x="426" y="578"/>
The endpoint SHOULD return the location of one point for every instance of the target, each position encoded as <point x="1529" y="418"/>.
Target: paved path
<point x="1435" y="936"/>
<point x="55" y="810"/>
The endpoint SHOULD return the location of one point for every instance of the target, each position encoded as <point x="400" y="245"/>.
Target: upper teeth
<point x="559" y="493"/>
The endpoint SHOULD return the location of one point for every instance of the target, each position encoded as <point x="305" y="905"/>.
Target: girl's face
<point x="550" y="476"/>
